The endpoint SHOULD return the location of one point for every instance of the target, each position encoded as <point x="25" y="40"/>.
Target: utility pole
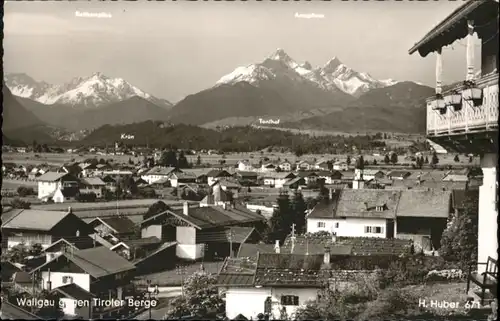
<point x="293" y="238"/>
<point x="230" y="243"/>
<point x="181" y="270"/>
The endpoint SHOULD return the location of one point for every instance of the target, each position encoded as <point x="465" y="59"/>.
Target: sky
<point x="174" y="49"/>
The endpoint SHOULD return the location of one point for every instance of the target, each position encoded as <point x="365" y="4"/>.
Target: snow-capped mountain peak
<point x="94" y="91"/>
<point x="332" y="76"/>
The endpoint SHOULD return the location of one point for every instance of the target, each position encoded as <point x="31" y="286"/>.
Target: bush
<point x="24" y="191"/>
<point x="86" y="197"/>
<point x="392" y="303"/>
<point x="17" y="203"/>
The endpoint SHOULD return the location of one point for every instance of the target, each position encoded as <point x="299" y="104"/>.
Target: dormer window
<point x="379" y="208"/>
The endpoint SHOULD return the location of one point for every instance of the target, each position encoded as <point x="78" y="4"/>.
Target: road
<point x="159" y="313"/>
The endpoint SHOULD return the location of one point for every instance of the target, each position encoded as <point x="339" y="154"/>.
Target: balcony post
<point x="470" y="50"/>
<point x="439" y="72"/>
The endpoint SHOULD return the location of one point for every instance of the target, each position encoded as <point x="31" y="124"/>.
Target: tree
<point x="360" y="162"/>
<point x="17" y="253"/>
<point x="182" y="161"/>
<point x="394" y="158"/>
<point x="348" y="160"/>
<point x="470" y="159"/>
<point x="435" y="159"/>
<point x="426" y="161"/>
<point x="155" y="208"/>
<point x="24" y="191"/>
<point x="456" y="159"/>
<point x="459" y="239"/>
<point x="130" y="161"/>
<point x="387" y="160"/>
<point x="20" y="204"/>
<point x="374" y="162"/>
<point x="282" y="219"/>
<point x="298" y="207"/>
<point x="168" y="158"/>
<point x="329" y="164"/>
<point x="198" y="160"/>
<point x="201" y="299"/>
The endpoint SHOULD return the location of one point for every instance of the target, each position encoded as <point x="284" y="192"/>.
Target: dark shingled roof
<point x="291" y="270"/>
<point x="433" y="203"/>
<point x="325" y="209"/>
<point x="235" y="279"/>
<point x="121" y="224"/>
<point x="360" y="245"/>
<point x="363" y="203"/>
<point x="73" y="291"/>
<point x="235" y="234"/>
<point x="97" y="261"/>
<point x="250" y="251"/>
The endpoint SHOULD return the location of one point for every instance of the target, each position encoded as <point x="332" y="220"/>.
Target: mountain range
<point x="330" y="97"/>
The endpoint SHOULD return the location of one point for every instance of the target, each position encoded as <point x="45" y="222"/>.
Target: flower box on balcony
<point x="438" y="104"/>
<point x="472" y="93"/>
<point x="454" y="100"/>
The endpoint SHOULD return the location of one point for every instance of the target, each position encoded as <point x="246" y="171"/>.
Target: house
<point x="181" y="178"/>
<point x="478" y="99"/>
<point x="277" y="180"/>
<point x="113" y="228"/>
<point x="263" y="206"/>
<point x="246" y="178"/>
<point x="422" y="217"/>
<point x="96" y="270"/>
<point x="49" y="182"/>
<point x="204" y="231"/>
<point x="355" y="213"/>
<point x="329" y="177"/>
<point x="34" y="173"/>
<point x="244" y="165"/>
<point x="22" y="281"/>
<point x="308" y="176"/>
<point x="42" y="227"/>
<point x="269" y="167"/>
<point x="157" y="173"/>
<point x="340" y="166"/>
<point x="72" y="169"/>
<point x="88" y="169"/>
<point x="371" y="174"/>
<point x="294" y="183"/>
<point x="92" y="185"/>
<point x="229" y="185"/>
<point x="135" y="248"/>
<point x="304" y="166"/>
<point x="285" y="166"/>
<point x="325" y="165"/>
<point x="62" y="245"/>
<point x="217" y="197"/>
<point x="62" y="195"/>
<point x="70" y="298"/>
<point x="398" y="175"/>
<point x="216" y="174"/>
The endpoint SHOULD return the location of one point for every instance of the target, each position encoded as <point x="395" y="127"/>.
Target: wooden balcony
<point x="467" y="122"/>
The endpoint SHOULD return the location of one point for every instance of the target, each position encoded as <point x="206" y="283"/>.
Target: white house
<point x="71" y="297"/>
<point x="275" y="287"/>
<point x="245" y="166"/>
<point x="304" y="166"/>
<point x="97" y="270"/>
<point x="286" y="166"/>
<point x="355" y="213"/>
<point x="266" y="168"/>
<point x="92" y="185"/>
<point x="277" y="179"/>
<point x="49" y="182"/>
<point x="370" y="174"/>
<point x="215" y="174"/>
<point x="340" y="166"/>
<point x="181" y="178"/>
<point x="157" y="173"/>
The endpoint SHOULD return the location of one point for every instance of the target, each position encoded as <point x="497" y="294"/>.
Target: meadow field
<point x="233" y="158"/>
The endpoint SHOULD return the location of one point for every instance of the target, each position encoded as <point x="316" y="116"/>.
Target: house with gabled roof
<point x="92" y="185"/>
<point x="203" y="231"/>
<point x="50" y="182"/>
<point x="398" y="174"/>
<point x="216" y="174"/>
<point x="277" y="179"/>
<point x="97" y="270"/>
<point x="62" y="245"/>
<point x="70" y="297"/>
<point x="42" y="227"/>
<point x="181" y="178"/>
<point x="113" y="229"/>
<point x="159" y="172"/>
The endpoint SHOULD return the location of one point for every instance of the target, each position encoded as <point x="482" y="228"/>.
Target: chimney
<point x="326" y="257"/>
<point x="185" y="208"/>
<point x="277" y="247"/>
<point x="70" y="210"/>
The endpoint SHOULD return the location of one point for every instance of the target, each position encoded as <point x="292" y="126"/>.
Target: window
<point x="67" y="279"/>
<point x="321" y="224"/>
<point x="337" y="225"/>
<point x="374" y="229"/>
<point x="268" y="305"/>
<point x="289" y="300"/>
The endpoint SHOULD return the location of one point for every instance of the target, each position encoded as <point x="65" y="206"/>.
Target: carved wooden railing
<point x="469" y="119"/>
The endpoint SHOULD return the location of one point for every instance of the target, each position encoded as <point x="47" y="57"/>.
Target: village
<point x="199" y="234"/>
